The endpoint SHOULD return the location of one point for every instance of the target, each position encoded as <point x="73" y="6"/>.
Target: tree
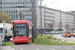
<point x="50" y="25"/>
<point x="4" y="17"/>
<point x="67" y="26"/>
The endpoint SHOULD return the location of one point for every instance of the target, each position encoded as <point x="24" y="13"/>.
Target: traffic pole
<point x="41" y="16"/>
<point x="60" y="23"/>
<point x="33" y="19"/>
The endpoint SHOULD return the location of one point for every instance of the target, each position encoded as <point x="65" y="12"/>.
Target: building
<point x="69" y="21"/>
<point x="13" y="7"/>
<point x="56" y="17"/>
<point x="50" y="17"/>
<point x="73" y="13"/>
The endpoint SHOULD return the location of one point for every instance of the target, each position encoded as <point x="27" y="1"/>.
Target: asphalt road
<point x="43" y="47"/>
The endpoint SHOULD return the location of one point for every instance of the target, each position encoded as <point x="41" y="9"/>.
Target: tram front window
<point x="20" y="30"/>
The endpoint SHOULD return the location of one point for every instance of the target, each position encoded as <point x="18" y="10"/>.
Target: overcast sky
<point x="64" y="5"/>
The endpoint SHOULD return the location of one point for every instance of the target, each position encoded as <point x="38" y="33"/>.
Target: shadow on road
<point x="21" y="43"/>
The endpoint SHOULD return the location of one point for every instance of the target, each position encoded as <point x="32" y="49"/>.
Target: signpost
<point x="55" y="27"/>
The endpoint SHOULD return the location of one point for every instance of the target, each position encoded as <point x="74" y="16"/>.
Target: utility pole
<point x="41" y="16"/>
<point x="3" y="19"/>
<point x="33" y="19"/>
<point x="60" y="23"/>
<point x="44" y="21"/>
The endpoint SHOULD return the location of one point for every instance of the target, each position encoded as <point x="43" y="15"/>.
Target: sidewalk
<point x="6" y="48"/>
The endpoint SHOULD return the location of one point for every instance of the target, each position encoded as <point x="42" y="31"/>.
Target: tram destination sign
<point x="20" y="24"/>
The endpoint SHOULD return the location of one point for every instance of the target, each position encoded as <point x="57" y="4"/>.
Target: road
<point x="31" y="46"/>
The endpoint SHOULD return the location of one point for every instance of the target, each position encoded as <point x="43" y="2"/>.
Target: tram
<point x="20" y="31"/>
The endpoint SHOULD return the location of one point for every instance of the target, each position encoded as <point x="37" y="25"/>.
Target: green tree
<point x="4" y="17"/>
<point x="50" y="25"/>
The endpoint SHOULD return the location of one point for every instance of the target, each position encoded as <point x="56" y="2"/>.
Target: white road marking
<point x="20" y="47"/>
<point x="35" y="47"/>
<point x="45" y="47"/>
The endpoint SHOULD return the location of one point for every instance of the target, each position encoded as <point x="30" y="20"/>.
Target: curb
<point x="13" y="47"/>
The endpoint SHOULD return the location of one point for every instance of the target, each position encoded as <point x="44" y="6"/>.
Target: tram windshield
<point x="20" y="29"/>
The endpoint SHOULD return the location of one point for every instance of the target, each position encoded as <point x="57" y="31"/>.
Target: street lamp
<point x="41" y="16"/>
<point x="44" y="21"/>
<point x="20" y="12"/>
<point x="60" y="23"/>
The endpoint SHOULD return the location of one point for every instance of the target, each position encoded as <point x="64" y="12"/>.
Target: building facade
<point x="73" y="13"/>
<point x="0" y="5"/>
<point x="13" y="7"/>
<point x="69" y="21"/>
<point x="56" y="18"/>
<point x="50" y="17"/>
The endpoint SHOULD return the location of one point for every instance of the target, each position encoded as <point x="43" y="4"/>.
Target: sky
<point x="64" y="5"/>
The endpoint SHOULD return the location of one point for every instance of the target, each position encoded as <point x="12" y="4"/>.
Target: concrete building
<point x="13" y="7"/>
<point x="69" y="21"/>
<point x="52" y="16"/>
<point x="73" y="13"/>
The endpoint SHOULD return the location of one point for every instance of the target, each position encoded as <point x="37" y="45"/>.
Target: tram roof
<point x="21" y="21"/>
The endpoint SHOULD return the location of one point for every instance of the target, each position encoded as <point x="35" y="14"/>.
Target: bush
<point x="49" y="37"/>
<point x="38" y="35"/>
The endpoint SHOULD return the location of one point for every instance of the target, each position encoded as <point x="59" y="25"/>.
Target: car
<point x="46" y="32"/>
<point x="67" y="34"/>
<point x="73" y="34"/>
<point x="52" y="32"/>
<point x="73" y="30"/>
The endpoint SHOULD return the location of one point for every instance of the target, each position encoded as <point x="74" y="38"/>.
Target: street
<point x="31" y="46"/>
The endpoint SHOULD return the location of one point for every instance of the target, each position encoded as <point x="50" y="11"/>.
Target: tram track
<point x="20" y="48"/>
<point x="25" y="46"/>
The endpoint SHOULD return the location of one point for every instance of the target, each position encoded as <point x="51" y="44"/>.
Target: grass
<point x="7" y="44"/>
<point x="73" y="32"/>
<point x="46" y="40"/>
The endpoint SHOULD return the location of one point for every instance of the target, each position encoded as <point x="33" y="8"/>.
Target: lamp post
<point x="20" y="15"/>
<point x="33" y="20"/>
<point x="20" y="12"/>
<point x="60" y="23"/>
<point x="41" y="16"/>
<point x="44" y="21"/>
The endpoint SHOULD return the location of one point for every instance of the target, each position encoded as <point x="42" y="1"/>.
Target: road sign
<point x="55" y="27"/>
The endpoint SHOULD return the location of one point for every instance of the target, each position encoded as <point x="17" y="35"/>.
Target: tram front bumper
<point x="20" y="39"/>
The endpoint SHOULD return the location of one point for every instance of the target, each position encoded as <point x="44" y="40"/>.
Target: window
<point x="1" y="30"/>
<point x="20" y="29"/>
<point x="67" y="32"/>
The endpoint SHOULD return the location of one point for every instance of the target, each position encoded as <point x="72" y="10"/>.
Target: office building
<point x="13" y="7"/>
<point x="56" y="17"/>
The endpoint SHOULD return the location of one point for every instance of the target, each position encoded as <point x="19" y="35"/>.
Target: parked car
<point x="52" y="32"/>
<point x="73" y="34"/>
<point x="46" y="32"/>
<point x="67" y="34"/>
